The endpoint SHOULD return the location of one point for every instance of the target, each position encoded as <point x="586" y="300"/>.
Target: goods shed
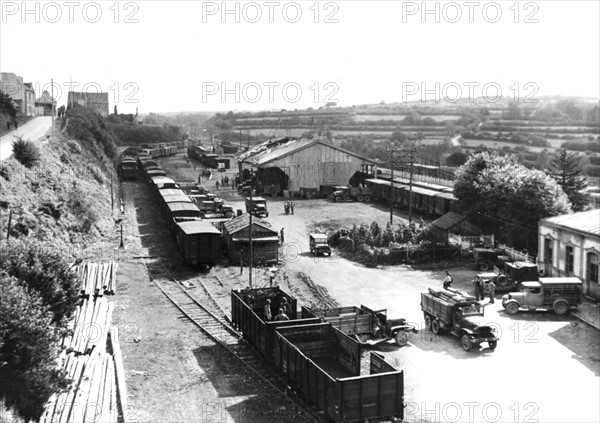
<point x="265" y="240"/>
<point x="302" y="164"/>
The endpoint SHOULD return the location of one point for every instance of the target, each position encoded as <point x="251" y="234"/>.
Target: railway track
<point x="208" y="316"/>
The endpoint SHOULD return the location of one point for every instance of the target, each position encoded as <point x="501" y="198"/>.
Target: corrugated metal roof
<point x="243" y="221"/>
<point x="448" y="220"/>
<point x="198" y="227"/>
<point x="271" y="150"/>
<point x="587" y="221"/>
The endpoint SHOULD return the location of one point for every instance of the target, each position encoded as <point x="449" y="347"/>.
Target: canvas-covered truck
<point x="510" y="276"/>
<point x="459" y="314"/>
<point x="318" y="244"/>
<point x="558" y="294"/>
<point x="367" y="326"/>
<point x="345" y="193"/>
<point x="257" y="206"/>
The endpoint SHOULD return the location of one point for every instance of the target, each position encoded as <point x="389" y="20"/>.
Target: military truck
<point x="558" y="294"/>
<point x="216" y="209"/>
<point x="510" y="276"/>
<point x="458" y="313"/>
<point x="257" y="206"/>
<point x="346" y="193"/>
<point x="318" y="244"/>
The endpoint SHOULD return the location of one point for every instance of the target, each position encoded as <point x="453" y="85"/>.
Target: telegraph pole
<point x="391" y="150"/>
<point x="52" y="103"/>
<point x="250" y="237"/>
<point x="411" y="152"/>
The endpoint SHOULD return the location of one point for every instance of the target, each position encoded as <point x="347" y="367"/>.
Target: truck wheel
<point x="483" y="265"/>
<point x="512" y="308"/>
<point x="360" y="198"/>
<point x="428" y="322"/>
<point x="435" y="327"/>
<point x="367" y="198"/>
<point x="309" y="195"/>
<point x="338" y="199"/>
<point x="229" y="214"/>
<point x="401" y="338"/>
<point x="502" y="280"/>
<point x="466" y="343"/>
<point x="560" y="307"/>
<point x="246" y="193"/>
<point x="493" y="344"/>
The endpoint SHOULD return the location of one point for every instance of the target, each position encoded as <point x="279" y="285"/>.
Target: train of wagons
<point x="320" y="359"/>
<point x="199" y="240"/>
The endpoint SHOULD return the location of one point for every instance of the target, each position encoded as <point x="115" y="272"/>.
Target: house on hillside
<point x="265" y="240"/>
<point x="45" y="104"/>
<point x="23" y="94"/>
<point x="570" y="246"/>
<point x="302" y="164"/>
<point x="93" y="100"/>
<point x="453" y="223"/>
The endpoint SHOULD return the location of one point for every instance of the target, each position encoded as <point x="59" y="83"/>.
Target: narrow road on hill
<point x="33" y="130"/>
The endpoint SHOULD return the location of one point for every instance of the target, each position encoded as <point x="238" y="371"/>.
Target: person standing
<point x="281" y="233"/>
<point x="292" y="207"/>
<point x="217" y="183"/>
<point x="478" y="284"/>
<point x="447" y="280"/>
<point x="492" y="291"/>
<point x="267" y="312"/>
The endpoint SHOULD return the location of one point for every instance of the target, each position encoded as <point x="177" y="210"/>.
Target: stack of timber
<point x="98" y="278"/>
<point x="91" y="357"/>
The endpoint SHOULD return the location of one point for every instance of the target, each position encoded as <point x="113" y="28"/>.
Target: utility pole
<point x="250" y="237"/>
<point x="411" y="153"/>
<point x="52" y="103"/>
<point x="392" y="150"/>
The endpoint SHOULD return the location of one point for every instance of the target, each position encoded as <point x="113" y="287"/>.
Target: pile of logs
<point x="97" y="391"/>
<point x="98" y="278"/>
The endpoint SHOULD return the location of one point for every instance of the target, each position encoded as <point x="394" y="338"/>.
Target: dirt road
<point x="33" y="130"/>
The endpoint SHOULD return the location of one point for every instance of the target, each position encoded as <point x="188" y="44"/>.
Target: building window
<point x="593" y="263"/>
<point x="548" y="251"/>
<point x="569" y="262"/>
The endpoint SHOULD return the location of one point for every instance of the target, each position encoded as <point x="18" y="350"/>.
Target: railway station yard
<point x="174" y="373"/>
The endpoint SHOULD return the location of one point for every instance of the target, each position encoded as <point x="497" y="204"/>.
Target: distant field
<point x="371" y="118"/>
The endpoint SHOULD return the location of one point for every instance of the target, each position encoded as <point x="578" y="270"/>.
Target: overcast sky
<point x="188" y="56"/>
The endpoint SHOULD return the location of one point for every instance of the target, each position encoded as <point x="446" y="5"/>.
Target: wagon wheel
<point x="401" y="338"/>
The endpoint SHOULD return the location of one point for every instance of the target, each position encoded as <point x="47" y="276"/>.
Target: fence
<point x="517" y="255"/>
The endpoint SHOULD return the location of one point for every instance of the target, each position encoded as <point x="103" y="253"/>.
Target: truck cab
<point x="319" y="245"/>
<point x="257" y="206"/>
<point x="558" y="294"/>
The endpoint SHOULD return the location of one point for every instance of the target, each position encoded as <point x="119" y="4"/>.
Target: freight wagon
<point x="323" y="365"/>
<point x="128" y="169"/>
<point x="247" y="316"/>
<point x="199" y="242"/>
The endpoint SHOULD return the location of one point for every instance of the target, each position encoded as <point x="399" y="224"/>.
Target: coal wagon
<point x="323" y="366"/>
<point x="247" y="316"/>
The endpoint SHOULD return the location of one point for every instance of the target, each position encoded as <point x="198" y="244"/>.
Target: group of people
<point x="285" y="312"/>
<point x="481" y="287"/>
<point x="14" y="123"/>
<point x="288" y="206"/>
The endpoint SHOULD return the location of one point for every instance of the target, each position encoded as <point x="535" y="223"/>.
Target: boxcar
<point x="247" y="316"/>
<point x="182" y="209"/>
<point x="323" y="365"/>
<point x="128" y="169"/>
<point x="199" y="242"/>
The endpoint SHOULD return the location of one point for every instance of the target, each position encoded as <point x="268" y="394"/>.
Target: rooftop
<point x="587" y="221"/>
<point x="197" y="227"/>
<point x="448" y="220"/>
<point x="241" y="222"/>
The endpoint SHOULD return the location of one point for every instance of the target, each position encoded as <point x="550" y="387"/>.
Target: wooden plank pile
<point x="98" y="384"/>
<point x="98" y="278"/>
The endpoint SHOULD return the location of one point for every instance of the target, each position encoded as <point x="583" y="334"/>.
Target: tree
<point x="497" y="191"/>
<point x="565" y="168"/>
<point x="458" y="158"/>
<point x="397" y="137"/>
<point x="28" y="350"/>
<point x="7" y="106"/>
<point x="26" y="152"/>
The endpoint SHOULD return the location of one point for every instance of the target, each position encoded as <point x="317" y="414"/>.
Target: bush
<point x="28" y="350"/>
<point x="74" y="146"/>
<point x="82" y="208"/>
<point x="45" y="271"/>
<point x="26" y="152"/>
